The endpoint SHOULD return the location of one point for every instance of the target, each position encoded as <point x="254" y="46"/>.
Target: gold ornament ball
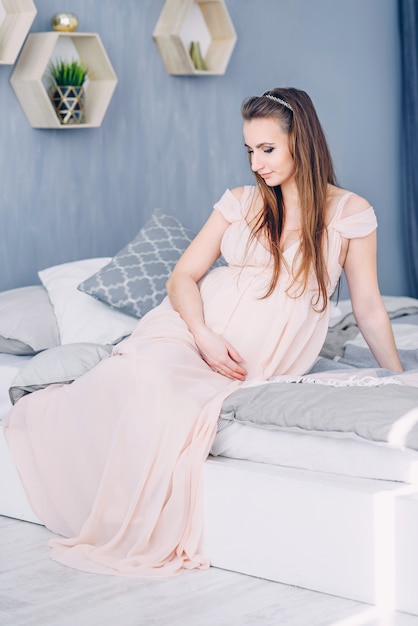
<point x="64" y="22"/>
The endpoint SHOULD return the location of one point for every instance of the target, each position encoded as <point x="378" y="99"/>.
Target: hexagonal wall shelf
<point x="29" y="77"/>
<point x="205" y="21"/>
<point x="16" y="17"/>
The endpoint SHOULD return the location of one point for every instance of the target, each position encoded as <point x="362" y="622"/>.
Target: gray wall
<point x="176" y="142"/>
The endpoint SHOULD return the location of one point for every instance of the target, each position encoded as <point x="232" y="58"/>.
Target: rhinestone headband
<point x="279" y="100"/>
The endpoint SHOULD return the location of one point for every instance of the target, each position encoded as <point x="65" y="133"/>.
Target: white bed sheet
<point x="333" y="455"/>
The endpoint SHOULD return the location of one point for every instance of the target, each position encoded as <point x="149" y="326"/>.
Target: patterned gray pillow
<point x="134" y="280"/>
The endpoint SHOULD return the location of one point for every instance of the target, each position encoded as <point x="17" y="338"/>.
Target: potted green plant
<point x="67" y="90"/>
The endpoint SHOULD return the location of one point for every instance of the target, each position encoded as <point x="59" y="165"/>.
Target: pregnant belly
<point x="236" y="310"/>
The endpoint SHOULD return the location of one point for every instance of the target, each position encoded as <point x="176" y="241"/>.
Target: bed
<point x="311" y="481"/>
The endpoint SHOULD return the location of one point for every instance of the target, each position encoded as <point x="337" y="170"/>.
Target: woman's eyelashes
<point x="265" y="150"/>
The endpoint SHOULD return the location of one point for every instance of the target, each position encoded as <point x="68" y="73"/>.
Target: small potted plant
<point x="67" y="90"/>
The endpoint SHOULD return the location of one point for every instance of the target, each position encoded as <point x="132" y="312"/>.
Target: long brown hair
<point x="313" y="171"/>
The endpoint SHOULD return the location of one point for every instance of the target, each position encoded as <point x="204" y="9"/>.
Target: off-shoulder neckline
<point x="251" y="189"/>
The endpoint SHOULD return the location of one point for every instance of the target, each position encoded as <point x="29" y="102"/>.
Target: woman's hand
<point x="219" y="354"/>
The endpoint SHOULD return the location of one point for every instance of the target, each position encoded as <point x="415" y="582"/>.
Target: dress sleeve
<point x="357" y="225"/>
<point x="230" y="207"/>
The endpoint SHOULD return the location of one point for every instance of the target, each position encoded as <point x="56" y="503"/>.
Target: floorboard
<point x="36" y="591"/>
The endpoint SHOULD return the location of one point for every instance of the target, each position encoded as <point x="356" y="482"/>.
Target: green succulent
<point x="63" y="73"/>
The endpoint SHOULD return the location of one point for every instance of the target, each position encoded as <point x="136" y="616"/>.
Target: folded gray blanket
<point x="385" y="413"/>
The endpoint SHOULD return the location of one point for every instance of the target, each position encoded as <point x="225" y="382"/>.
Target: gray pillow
<point x="27" y="321"/>
<point x="134" y="281"/>
<point x="61" y="364"/>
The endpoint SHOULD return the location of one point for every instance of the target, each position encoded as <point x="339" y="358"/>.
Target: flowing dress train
<point x="113" y="462"/>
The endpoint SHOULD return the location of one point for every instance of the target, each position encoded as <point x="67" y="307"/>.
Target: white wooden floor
<point x="35" y="591"/>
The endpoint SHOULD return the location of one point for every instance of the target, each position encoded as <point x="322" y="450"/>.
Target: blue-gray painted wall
<point x="176" y="142"/>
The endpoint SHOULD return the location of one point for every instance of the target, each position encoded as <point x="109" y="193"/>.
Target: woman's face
<point x="268" y="147"/>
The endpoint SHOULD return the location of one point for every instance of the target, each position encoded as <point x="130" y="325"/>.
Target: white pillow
<point x="80" y="317"/>
<point x="27" y="321"/>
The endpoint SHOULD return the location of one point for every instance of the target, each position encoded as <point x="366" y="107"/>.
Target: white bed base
<point x="351" y="537"/>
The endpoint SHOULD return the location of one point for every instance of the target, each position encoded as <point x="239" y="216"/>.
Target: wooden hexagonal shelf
<point x="205" y="21"/>
<point x="29" y="78"/>
<point x="16" y="17"/>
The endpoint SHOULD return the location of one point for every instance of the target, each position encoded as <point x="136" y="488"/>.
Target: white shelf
<point x="30" y="86"/>
<point x="16" y="17"/>
<point x="206" y="21"/>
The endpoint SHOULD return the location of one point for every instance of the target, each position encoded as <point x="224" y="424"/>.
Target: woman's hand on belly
<point x="219" y="354"/>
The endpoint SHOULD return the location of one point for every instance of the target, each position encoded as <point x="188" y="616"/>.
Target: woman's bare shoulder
<point x="250" y="200"/>
<point x="238" y="192"/>
<point x="353" y="202"/>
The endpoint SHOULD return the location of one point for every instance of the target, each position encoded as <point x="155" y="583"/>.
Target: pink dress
<point x="113" y="462"/>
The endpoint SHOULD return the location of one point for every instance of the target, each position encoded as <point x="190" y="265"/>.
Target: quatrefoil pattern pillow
<point x="134" y="280"/>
